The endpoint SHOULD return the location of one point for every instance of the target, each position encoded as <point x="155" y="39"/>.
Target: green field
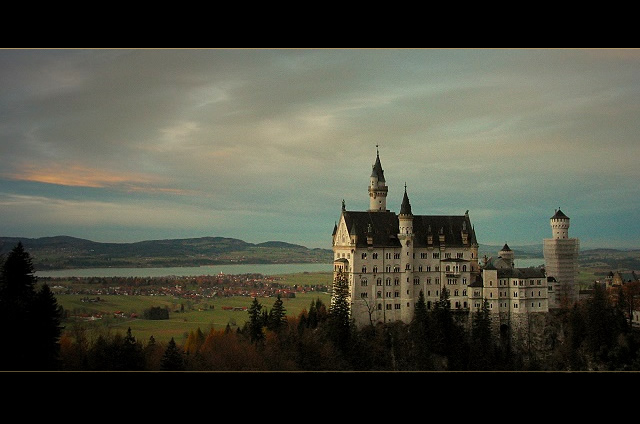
<point x="185" y="314"/>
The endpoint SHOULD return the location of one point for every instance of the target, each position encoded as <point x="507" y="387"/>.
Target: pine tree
<point x="339" y="313"/>
<point x="256" y="322"/>
<point x="172" y="360"/>
<point x="420" y="335"/>
<point x="30" y="318"/>
<point x="277" y="315"/>
<point x="46" y="319"/>
<point x="482" y="346"/>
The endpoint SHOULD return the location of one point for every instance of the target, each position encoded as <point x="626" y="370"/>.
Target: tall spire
<point x="405" y="209"/>
<point x="377" y="187"/>
<point x="377" y="168"/>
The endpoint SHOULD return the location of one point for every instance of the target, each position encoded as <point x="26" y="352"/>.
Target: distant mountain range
<point x="63" y="252"/>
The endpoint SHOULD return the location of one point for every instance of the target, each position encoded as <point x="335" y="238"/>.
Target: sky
<point x="125" y="145"/>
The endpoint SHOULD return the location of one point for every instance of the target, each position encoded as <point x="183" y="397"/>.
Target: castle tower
<point x="507" y="255"/>
<point x="561" y="261"/>
<point x="377" y="188"/>
<point x="405" y="237"/>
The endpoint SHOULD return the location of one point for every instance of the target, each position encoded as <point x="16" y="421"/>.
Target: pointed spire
<point x="405" y="209"/>
<point x="344" y="208"/>
<point x="377" y="168"/>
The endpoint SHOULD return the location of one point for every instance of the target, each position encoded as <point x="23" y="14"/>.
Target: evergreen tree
<point x="482" y="346"/>
<point x="132" y="357"/>
<point x="47" y="316"/>
<point x="277" y="316"/>
<point x="172" y="360"/>
<point x="256" y="322"/>
<point x="30" y="318"/>
<point x="339" y="313"/>
<point x="420" y="336"/>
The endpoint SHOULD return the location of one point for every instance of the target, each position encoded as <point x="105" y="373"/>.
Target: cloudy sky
<point x="260" y="145"/>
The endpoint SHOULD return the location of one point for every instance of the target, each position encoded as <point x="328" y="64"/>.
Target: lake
<point x="264" y="269"/>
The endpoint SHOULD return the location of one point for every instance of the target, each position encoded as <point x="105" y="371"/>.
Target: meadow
<point x="185" y="315"/>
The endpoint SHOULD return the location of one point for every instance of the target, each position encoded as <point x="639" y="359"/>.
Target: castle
<point x="388" y="259"/>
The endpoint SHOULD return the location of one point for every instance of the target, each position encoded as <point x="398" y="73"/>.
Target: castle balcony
<point x="452" y="273"/>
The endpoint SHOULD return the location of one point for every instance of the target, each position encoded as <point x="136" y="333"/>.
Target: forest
<point x="594" y="335"/>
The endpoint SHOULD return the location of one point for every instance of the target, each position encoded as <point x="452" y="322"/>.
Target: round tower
<point x="377" y="187"/>
<point x="560" y="225"/>
<point x="507" y="255"/>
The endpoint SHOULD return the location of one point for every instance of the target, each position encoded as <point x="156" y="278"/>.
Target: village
<point x="183" y="287"/>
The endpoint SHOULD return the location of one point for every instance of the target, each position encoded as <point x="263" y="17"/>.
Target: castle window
<point x="420" y="268"/>
<point x="464" y="292"/>
<point x="379" y="282"/>
<point x="397" y="306"/>
<point x="464" y="281"/>
<point x="388" y="268"/>
<point x="428" y="280"/>
<point x="456" y="293"/>
<point x="375" y="256"/>
<point x="363" y="282"/>
<point x="459" y="255"/>
<point x="464" y="268"/>
<point x="364" y="255"/>
<point x="388" y="282"/>
<point x="379" y="306"/>
<point x="447" y="255"/>
<point x="396" y="294"/>
<point x="375" y="269"/>
<point x="408" y="267"/>
<point x="396" y="256"/>
<point x="364" y="269"/>
<point x="428" y="268"/>
<point x="363" y="294"/>
<point x="436" y="255"/>
<point x="388" y="307"/>
<point x="396" y="281"/>
<point x="379" y="294"/>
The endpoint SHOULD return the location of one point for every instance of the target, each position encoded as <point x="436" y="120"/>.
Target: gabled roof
<point x="385" y="227"/>
<point x="523" y="273"/>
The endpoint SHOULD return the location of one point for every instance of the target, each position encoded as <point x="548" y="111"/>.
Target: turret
<point x="377" y="187"/>
<point x="406" y="217"/>
<point x="560" y="225"/>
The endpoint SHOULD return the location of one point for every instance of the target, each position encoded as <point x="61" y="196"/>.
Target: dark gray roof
<point x="523" y="273"/>
<point x="377" y="169"/>
<point x="559" y="215"/>
<point x="405" y="208"/>
<point x="506" y="248"/>
<point x="385" y="228"/>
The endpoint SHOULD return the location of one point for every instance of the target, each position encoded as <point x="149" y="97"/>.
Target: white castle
<point x="389" y="258"/>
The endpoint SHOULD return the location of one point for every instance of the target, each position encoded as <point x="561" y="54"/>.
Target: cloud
<point x="281" y="135"/>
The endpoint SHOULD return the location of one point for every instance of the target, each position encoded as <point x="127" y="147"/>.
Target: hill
<point x="62" y="252"/>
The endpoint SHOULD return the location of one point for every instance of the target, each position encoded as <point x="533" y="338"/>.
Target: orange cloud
<point x="81" y="176"/>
